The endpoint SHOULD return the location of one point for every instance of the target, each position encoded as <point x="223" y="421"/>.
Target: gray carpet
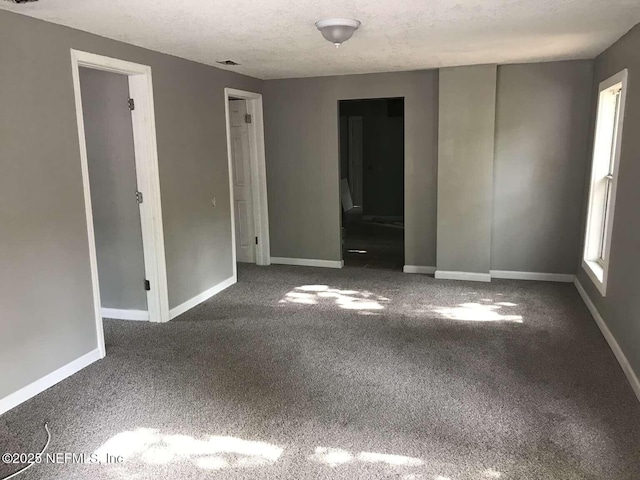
<point x="299" y="373"/>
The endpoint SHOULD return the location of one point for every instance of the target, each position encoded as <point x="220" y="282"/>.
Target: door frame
<point x="258" y="174"/>
<point x="146" y="159"/>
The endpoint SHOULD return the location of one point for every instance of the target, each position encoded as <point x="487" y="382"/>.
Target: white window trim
<point x="598" y="271"/>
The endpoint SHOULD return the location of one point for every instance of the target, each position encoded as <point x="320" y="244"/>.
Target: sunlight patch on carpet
<point x="213" y="453"/>
<point x="345" y="299"/>
<point x="477" y="312"/>
<point x="337" y="456"/>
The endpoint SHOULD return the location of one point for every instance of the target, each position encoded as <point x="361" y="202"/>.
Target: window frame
<point x="603" y="183"/>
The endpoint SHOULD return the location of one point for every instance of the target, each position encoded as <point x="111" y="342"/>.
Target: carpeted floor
<point x="302" y="373"/>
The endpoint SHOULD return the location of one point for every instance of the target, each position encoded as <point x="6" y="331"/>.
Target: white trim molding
<point x="596" y="273"/>
<point x="204" y="296"/>
<point x="603" y="183"/>
<point x="536" y="276"/>
<point x="419" y="269"/>
<point x="470" y="276"/>
<point x="146" y="162"/>
<point x="120" y="314"/>
<point x="613" y="344"/>
<point x="40" y="385"/>
<point x="258" y="174"/>
<point x="308" y="262"/>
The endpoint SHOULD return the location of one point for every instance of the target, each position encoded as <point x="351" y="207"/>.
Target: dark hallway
<point x="372" y="182"/>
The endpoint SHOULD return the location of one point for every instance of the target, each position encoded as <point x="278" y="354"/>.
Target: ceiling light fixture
<point x="337" y="30"/>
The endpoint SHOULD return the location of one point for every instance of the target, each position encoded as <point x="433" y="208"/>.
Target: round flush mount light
<point x="337" y="30"/>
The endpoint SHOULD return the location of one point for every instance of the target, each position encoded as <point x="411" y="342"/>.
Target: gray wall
<point x="465" y="168"/>
<point x="301" y="122"/>
<point x="541" y="146"/>
<point x="112" y="173"/>
<point x="620" y="309"/>
<point x="46" y="305"/>
<point x="542" y="113"/>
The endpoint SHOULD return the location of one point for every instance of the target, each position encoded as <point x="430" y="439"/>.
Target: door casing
<point x="258" y="174"/>
<point x="146" y="159"/>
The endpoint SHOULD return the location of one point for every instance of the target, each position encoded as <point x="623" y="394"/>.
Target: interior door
<point x="242" y="194"/>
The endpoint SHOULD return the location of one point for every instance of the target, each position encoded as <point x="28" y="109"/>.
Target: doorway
<point x="247" y="177"/>
<point x="115" y="195"/>
<point x="372" y="182"/>
<point x="135" y="128"/>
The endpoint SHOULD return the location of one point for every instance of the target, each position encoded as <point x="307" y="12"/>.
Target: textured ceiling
<point x="278" y="39"/>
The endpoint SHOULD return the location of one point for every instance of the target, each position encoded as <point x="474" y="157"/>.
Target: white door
<point x="242" y="195"/>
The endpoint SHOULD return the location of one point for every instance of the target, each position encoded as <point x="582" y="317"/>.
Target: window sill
<point x="596" y="273"/>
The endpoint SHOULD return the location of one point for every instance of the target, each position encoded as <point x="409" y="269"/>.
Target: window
<point x="604" y="178"/>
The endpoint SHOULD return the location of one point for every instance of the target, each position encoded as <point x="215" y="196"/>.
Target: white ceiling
<point x="278" y="39"/>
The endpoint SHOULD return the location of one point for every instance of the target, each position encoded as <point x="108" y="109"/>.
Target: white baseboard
<point x="613" y="344"/>
<point x="40" y="385"/>
<point x="198" y="299"/>
<point x="471" y="276"/>
<point x="419" y="269"/>
<point x="541" y="277"/>
<point x="120" y="314"/>
<point x="486" y="277"/>
<point x="308" y="262"/>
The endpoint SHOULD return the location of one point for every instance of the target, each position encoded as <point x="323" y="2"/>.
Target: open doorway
<point x="121" y="184"/>
<point x="247" y="177"/>
<point x="372" y="182"/>
<point x="115" y="195"/>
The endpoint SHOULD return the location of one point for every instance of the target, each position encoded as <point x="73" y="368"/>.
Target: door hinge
<point x="132" y="104"/>
<point x="256" y="240"/>
<point x="139" y="197"/>
<point x="247" y="118"/>
<point x="147" y="285"/>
